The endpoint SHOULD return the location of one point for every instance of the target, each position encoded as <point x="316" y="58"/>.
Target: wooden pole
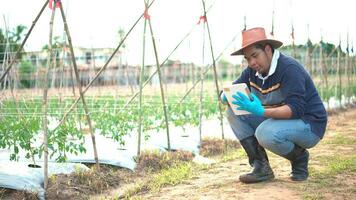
<point x="80" y="87"/>
<point x="321" y="69"/>
<point x="326" y="73"/>
<point x="44" y="105"/>
<point x="215" y="73"/>
<point x="201" y="107"/>
<point x="165" y="109"/>
<point x="339" y="76"/>
<point x="140" y="96"/>
<point x="349" y="70"/>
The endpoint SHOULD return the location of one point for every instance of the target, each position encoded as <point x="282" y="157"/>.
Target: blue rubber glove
<point x="223" y="98"/>
<point x="253" y="106"/>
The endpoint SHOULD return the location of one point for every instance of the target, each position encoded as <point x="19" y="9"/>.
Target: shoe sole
<point x="260" y="179"/>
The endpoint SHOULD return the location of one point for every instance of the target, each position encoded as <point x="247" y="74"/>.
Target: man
<point x="287" y="114"/>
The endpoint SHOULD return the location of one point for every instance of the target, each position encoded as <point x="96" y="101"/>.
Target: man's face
<point x="258" y="59"/>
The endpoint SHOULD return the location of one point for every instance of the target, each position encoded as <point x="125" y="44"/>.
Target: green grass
<point x="334" y="165"/>
<point x="171" y="176"/>
<point x="136" y="189"/>
<point x="236" y="154"/>
<point x="328" y="179"/>
<point x="341" y="139"/>
<point x="175" y="175"/>
<point x="313" y="196"/>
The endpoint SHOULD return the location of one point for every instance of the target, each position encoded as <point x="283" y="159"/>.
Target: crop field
<point x="140" y="116"/>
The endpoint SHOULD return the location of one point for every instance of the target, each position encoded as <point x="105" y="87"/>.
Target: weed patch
<point x="213" y="146"/>
<point x="153" y="161"/>
<point x="341" y="139"/>
<point x="171" y="176"/>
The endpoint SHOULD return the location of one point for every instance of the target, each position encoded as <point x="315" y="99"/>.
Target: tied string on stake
<point x="202" y="18"/>
<point x="292" y="33"/>
<point x="50" y="5"/>
<point x="146" y="15"/>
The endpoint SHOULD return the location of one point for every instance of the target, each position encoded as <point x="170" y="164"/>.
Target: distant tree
<point x="328" y="48"/>
<point x="13" y="39"/>
<point x="25" y="71"/>
<point x="121" y="33"/>
<point x="223" y="67"/>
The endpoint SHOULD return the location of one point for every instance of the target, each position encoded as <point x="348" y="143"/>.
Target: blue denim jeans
<point x="276" y="135"/>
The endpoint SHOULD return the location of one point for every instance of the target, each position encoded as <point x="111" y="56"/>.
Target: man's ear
<point x="268" y="48"/>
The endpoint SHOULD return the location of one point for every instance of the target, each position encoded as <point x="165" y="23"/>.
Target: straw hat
<point x="253" y="36"/>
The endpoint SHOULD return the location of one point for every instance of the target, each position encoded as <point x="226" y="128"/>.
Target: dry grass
<point x="153" y="161"/>
<point x="80" y="185"/>
<point x="213" y="146"/>
<point x="16" y="194"/>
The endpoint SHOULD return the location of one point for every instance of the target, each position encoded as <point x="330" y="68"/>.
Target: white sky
<point x="96" y="23"/>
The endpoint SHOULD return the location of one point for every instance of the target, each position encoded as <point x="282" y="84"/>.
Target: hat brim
<point x="275" y="43"/>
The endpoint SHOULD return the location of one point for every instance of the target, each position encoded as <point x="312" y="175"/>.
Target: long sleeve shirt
<point x="289" y="84"/>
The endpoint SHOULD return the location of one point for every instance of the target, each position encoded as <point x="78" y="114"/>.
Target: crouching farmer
<point x="287" y="115"/>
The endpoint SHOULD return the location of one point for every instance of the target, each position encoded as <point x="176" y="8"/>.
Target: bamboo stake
<point x="165" y="109"/>
<point x="353" y="72"/>
<point x="321" y="70"/>
<point x="128" y="79"/>
<point x="201" y="107"/>
<point x="309" y="59"/>
<point x="54" y="64"/>
<point x="345" y="75"/>
<point x="140" y="96"/>
<point x="76" y="108"/>
<point x="80" y="87"/>
<point x="215" y="73"/>
<point x="186" y="77"/>
<point x="44" y="106"/>
<point x="326" y="86"/>
<point x="339" y="75"/>
<point x="293" y="42"/>
<point x="349" y="74"/>
<point x="349" y="71"/>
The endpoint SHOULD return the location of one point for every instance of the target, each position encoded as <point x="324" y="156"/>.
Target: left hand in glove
<point x="253" y="106"/>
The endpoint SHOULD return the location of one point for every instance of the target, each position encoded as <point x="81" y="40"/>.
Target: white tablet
<point x="229" y="90"/>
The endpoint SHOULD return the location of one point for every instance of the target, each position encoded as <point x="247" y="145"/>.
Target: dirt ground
<point x="221" y="180"/>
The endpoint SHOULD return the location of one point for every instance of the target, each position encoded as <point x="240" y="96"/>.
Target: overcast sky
<point x="96" y="23"/>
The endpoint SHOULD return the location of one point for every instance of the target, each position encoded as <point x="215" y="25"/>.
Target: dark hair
<point x="263" y="46"/>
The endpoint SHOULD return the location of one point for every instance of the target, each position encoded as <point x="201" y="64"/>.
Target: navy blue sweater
<point x="289" y="85"/>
